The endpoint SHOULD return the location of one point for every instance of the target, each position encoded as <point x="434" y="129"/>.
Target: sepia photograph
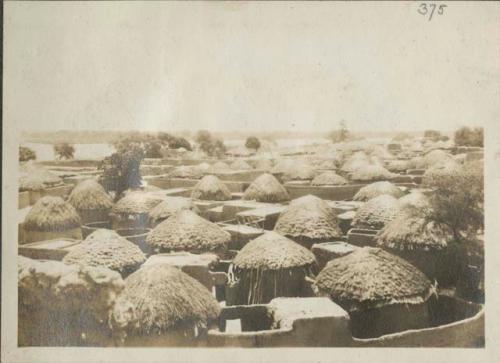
<point x="201" y="181"/>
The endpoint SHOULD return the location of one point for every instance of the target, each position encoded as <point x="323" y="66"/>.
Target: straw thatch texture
<point x="300" y="171"/>
<point x="411" y="231"/>
<point x="272" y="251"/>
<point x="397" y="166"/>
<point x="440" y="170"/>
<point x="210" y="188"/>
<point x="378" y="188"/>
<point x="186" y="231"/>
<point x="283" y="165"/>
<point x="160" y="298"/>
<point x="37" y="178"/>
<point x="308" y="218"/>
<point x="106" y="248"/>
<point x="355" y="161"/>
<point x="169" y="207"/>
<point x="219" y="167"/>
<point x="51" y="214"/>
<point x="263" y="164"/>
<point x="376" y="212"/>
<point x="240" y="164"/>
<point x="328" y="178"/>
<point x="371" y="278"/>
<point x="381" y="152"/>
<point x="90" y="195"/>
<point x="267" y="189"/>
<point x="271" y="266"/>
<point x="135" y="202"/>
<point x="203" y="167"/>
<point x="186" y="172"/>
<point x="415" y="199"/>
<point x="61" y="304"/>
<point x="436" y="157"/>
<point x="371" y="173"/>
<point x="328" y="164"/>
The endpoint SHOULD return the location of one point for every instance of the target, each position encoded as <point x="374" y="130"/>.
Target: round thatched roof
<point x="308" y="217"/>
<point x="283" y="165"/>
<point x="170" y="206"/>
<point x="186" y="172"/>
<point x="187" y="231"/>
<point x="203" y="167"/>
<point x="327" y="164"/>
<point x="219" y="167"/>
<point x="90" y="195"/>
<point x="301" y="170"/>
<point x="159" y="298"/>
<point x="38" y="178"/>
<point x="267" y="189"/>
<point x="240" y="164"/>
<point x="272" y="251"/>
<point x="370" y="278"/>
<point x="263" y="164"/>
<point x="328" y="178"/>
<point x="413" y="231"/>
<point x="414" y="199"/>
<point x="440" y="170"/>
<point x="355" y="161"/>
<point x="105" y="247"/>
<point x="397" y="166"/>
<point x="135" y="202"/>
<point x="371" y="173"/>
<point x="210" y="188"/>
<point x="51" y="214"/>
<point x="436" y="157"/>
<point x="376" y="212"/>
<point x="378" y="188"/>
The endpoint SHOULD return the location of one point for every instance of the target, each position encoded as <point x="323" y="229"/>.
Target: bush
<point x="210" y="145"/>
<point x="64" y="151"/>
<point x="174" y="142"/>
<point x="252" y="143"/>
<point x="26" y="154"/>
<point x="469" y="137"/>
<point x="433" y="135"/>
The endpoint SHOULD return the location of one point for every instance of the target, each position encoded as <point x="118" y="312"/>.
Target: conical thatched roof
<point x="90" y="195"/>
<point x="52" y="214"/>
<point x="159" y="298"/>
<point x="370" y="278"/>
<point x="413" y="231"/>
<point x="328" y="178"/>
<point x="381" y="152"/>
<point x="203" y="167"/>
<point x="240" y="164"/>
<point x="283" y="166"/>
<point x="376" y="212"/>
<point x="219" y="167"/>
<point x="105" y="247"/>
<point x="308" y="217"/>
<point x="38" y="178"/>
<point x="328" y="164"/>
<point x="378" y="188"/>
<point x="210" y="188"/>
<point x="272" y="251"/>
<point x="186" y="172"/>
<point x="135" y="202"/>
<point x="371" y="173"/>
<point x="267" y="189"/>
<point x="169" y="207"/>
<point x="300" y="171"/>
<point x="186" y="231"/>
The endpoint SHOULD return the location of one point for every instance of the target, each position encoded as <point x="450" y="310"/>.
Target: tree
<point x="341" y="134"/>
<point x="433" y="135"/>
<point x="252" y="142"/>
<point x="469" y="137"/>
<point x="208" y="144"/>
<point x="26" y="154"/>
<point x="64" y="150"/>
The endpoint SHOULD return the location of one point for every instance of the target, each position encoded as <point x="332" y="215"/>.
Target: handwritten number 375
<point x="425" y="9"/>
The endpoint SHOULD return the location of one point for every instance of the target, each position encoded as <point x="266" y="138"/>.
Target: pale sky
<point x="279" y="65"/>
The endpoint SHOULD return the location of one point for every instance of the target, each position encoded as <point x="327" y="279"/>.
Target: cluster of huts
<point x="331" y="248"/>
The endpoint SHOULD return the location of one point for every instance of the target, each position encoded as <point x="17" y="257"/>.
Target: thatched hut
<point x="187" y="231"/>
<point x="355" y="161"/>
<point x="328" y="178"/>
<point x="329" y="164"/>
<point x="51" y="217"/>
<point x="163" y="306"/>
<point x="397" y="166"/>
<point x="240" y="164"/>
<point x="203" y="167"/>
<point x="132" y="211"/>
<point x="263" y="164"/>
<point x="186" y="172"/>
<point x="267" y="189"/>
<point x="435" y="157"/>
<point x="169" y="207"/>
<point x="440" y="170"/>
<point x="65" y="305"/>
<point x="308" y="220"/>
<point x="283" y="165"/>
<point x="381" y="152"/>
<point x="416" y="199"/>
<point x="300" y="171"/>
<point x="375" y="213"/>
<point x="371" y="173"/>
<point x="219" y="167"/>
<point x="91" y="201"/>
<point x="422" y="242"/>
<point x="105" y="247"/>
<point x="210" y="188"/>
<point x="375" y="189"/>
<point x="270" y="266"/>
<point x="381" y="292"/>
<point x="37" y="179"/>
